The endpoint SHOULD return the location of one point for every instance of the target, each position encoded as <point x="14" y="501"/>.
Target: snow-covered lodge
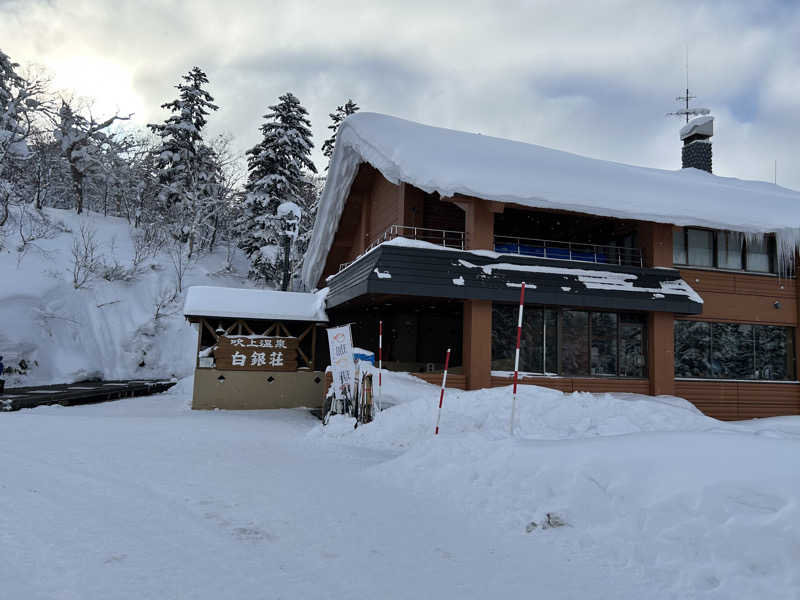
<point x="637" y="280"/>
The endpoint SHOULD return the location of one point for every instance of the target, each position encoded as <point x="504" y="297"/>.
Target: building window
<point x="728" y="250"/>
<point x="679" y="246"/>
<point x="758" y="256"/>
<point x="700" y="247"/>
<point x="604" y="343"/>
<point x="706" y="350"/>
<point x="632" y="345"/>
<point x="570" y="342"/>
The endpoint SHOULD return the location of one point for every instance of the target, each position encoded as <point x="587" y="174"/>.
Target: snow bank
<point x="455" y="162"/>
<point x="543" y="413"/>
<point x="204" y="301"/>
<point x="697" y="506"/>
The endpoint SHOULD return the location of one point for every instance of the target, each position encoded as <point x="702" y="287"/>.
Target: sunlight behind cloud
<point x="107" y="84"/>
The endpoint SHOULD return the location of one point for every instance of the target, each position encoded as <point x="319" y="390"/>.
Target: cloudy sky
<point x="595" y="78"/>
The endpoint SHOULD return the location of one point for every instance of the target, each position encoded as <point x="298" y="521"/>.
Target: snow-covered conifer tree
<point x="339" y="115"/>
<point x="275" y="191"/>
<point x="183" y="160"/>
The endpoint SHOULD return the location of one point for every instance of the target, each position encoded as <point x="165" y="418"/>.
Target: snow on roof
<point x="239" y="303"/>
<point x="456" y="162"/>
<point x="699" y="125"/>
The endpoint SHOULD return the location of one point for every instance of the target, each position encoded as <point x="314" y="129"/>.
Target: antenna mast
<point x="686" y="111"/>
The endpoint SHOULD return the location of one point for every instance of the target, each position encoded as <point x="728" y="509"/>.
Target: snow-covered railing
<point x="574" y="251"/>
<point x="441" y="237"/>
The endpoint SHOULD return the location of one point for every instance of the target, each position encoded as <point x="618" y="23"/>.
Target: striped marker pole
<point x="516" y="356"/>
<point x="380" y="362"/>
<point x="441" y="394"/>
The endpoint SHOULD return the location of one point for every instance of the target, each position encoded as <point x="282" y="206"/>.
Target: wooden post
<point x="657" y="243"/>
<point x="477" y="343"/>
<point x="200" y="325"/>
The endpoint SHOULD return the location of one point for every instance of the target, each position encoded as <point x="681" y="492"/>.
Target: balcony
<point x="533" y="247"/>
<point x="571" y="251"/>
<point x="441" y="237"/>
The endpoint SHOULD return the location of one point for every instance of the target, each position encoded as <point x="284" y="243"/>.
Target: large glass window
<point x="700" y="244"/>
<point x="679" y="246"/>
<point x="758" y="255"/>
<point x="729" y="250"/>
<point x="604" y="343"/>
<point x="692" y="349"/>
<point x="733" y="351"/>
<point x="570" y="342"/>
<point x="574" y="342"/>
<point x="723" y="250"/>
<point x="774" y="352"/>
<point x="633" y="345"/>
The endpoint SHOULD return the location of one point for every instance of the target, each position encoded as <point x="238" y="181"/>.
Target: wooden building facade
<point x="612" y="306"/>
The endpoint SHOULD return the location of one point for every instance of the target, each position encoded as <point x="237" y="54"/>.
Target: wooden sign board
<point x="256" y="353"/>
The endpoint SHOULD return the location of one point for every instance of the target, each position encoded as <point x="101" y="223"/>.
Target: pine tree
<point x="185" y="166"/>
<point x="274" y="198"/>
<point x="339" y="115"/>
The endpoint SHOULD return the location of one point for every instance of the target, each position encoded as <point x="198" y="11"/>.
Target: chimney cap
<point x="702" y="126"/>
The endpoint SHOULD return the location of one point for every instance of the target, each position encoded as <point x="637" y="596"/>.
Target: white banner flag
<point x="340" y="342"/>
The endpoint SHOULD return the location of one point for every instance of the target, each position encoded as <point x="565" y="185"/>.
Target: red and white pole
<point x="441" y="393"/>
<point x="380" y="361"/>
<point x="516" y="355"/>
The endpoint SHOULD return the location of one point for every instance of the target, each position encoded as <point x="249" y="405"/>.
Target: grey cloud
<point x="587" y="77"/>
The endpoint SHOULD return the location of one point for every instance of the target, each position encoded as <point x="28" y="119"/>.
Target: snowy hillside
<point x="122" y="320"/>
<point x="595" y="497"/>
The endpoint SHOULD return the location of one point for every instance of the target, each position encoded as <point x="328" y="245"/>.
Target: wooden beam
<point x="211" y="329"/>
<point x="313" y="348"/>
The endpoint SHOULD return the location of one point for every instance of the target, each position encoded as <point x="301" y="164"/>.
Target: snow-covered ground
<point x="142" y="498"/>
<point x="105" y="329"/>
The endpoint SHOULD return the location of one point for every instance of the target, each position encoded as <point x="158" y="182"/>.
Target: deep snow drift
<point x="698" y="506"/>
<point x="106" y="329"/>
<point x="142" y="498"/>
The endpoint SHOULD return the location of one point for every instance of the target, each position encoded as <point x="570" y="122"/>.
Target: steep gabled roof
<point x="456" y="162"/>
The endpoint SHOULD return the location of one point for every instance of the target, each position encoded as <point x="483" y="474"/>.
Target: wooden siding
<point x="454" y="380"/>
<point x="385" y="206"/>
<point x="730" y="400"/>
<point x="594" y="385"/>
<point x="442" y="215"/>
<point x="743" y="297"/>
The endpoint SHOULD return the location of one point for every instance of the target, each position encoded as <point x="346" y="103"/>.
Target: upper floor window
<point x="723" y="250"/>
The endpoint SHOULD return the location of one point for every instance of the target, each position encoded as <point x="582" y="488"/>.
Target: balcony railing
<point x="549" y="249"/>
<point x="441" y="237"/>
<point x="573" y="251"/>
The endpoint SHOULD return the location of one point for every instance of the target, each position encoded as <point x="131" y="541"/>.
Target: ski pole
<point x="441" y="394"/>
<point x="516" y="356"/>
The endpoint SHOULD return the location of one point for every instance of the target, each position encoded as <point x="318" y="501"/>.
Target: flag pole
<point x="516" y="356"/>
